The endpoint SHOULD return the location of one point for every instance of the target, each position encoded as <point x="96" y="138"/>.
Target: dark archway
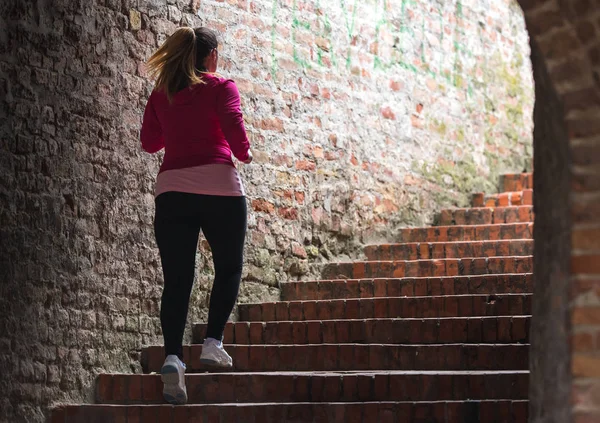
<point x="565" y="361"/>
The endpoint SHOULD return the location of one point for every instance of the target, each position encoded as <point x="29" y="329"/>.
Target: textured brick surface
<point x="429" y="268"/>
<point x="366" y="412"/>
<point x="394" y="339"/>
<point x="467" y="233"/>
<point x="435" y="250"/>
<point x="486" y="215"/>
<point x="328" y="387"/>
<point x="70" y="89"/>
<point x="551" y="396"/>
<point x="504" y="199"/>
<point x="359" y="114"/>
<point x="447" y="285"/>
<point x="494" y="329"/>
<point x="336" y="355"/>
<point x="406" y="307"/>
<point x="516" y="182"/>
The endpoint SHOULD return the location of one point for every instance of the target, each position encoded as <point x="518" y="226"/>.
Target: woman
<point x="195" y="115"/>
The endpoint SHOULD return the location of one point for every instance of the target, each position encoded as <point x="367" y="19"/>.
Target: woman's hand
<point x="249" y="159"/>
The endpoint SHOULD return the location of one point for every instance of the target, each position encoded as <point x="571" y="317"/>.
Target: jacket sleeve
<point x="232" y="122"/>
<point x="151" y="133"/>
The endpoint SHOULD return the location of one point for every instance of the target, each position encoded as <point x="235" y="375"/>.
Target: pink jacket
<point x="202" y="125"/>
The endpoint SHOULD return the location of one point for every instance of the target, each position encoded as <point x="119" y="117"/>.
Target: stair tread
<point x="429" y="267"/>
<point x="405" y="278"/>
<point x="339" y="372"/>
<point x="358" y="344"/>
<point x="378" y="287"/>
<point x="474" y="209"/>
<point x="529" y="256"/>
<point x="503" y="241"/>
<point x="495" y="225"/>
<point x="354" y="357"/>
<point x="394" y="298"/>
<point x="251" y="404"/>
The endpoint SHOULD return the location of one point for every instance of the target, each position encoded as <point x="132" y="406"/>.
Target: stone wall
<point x="364" y="117"/>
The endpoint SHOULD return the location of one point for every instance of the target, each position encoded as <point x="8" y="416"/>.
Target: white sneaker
<point x="213" y="354"/>
<point x="173" y="376"/>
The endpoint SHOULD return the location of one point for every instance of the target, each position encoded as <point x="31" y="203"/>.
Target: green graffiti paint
<point x="400" y="28"/>
<point x="296" y="23"/>
<point x="349" y="29"/>
<point x="273" y="36"/>
<point x="323" y="22"/>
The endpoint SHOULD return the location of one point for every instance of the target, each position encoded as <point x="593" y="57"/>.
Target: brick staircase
<point x="432" y="328"/>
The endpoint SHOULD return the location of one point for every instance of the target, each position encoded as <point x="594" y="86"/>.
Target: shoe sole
<point x="213" y="363"/>
<point x="172" y="393"/>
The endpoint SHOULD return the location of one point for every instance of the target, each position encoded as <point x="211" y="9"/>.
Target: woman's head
<point x="182" y="58"/>
<point x="207" y="53"/>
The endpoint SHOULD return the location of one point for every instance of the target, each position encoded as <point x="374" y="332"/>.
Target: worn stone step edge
<point x="376" y="331"/>
<point x="428" y="268"/>
<point x="364" y="308"/>
<point x="406" y="287"/>
<point x="466" y="233"/>
<point x="446" y="250"/>
<point x="347" y="357"/>
<point x="213" y="388"/>
<point x="506" y="411"/>
<point x="485" y="215"/>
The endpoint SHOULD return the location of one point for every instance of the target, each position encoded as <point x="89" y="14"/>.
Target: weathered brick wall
<point x="364" y="117"/>
<point x="568" y="36"/>
<point x="550" y="326"/>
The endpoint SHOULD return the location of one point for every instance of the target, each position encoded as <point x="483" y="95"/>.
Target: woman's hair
<point x="179" y="62"/>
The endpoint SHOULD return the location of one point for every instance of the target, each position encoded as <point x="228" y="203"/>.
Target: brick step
<point x="428" y="268"/>
<point x="441" y="250"/>
<point x="516" y="181"/>
<point x="467" y="233"/>
<point x="389" y="307"/>
<point x="352" y="357"/>
<point x="486" y="216"/>
<point x="218" y="388"/>
<point x="504" y="411"/>
<point x="409" y="287"/>
<point x="503" y="199"/>
<point x="455" y="330"/>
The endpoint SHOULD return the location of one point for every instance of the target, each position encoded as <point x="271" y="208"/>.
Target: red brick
<point x="324" y="310"/>
<point x="310" y="310"/>
<point x="281" y="311"/>
<point x="151" y="387"/>
<point x="314" y="333"/>
<point x="134" y="415"/>
<point x="475" y="330"/>
<point x="104" y="388"/>
<point x="254" y="312"/>
<point x="148" y="414"/>
<point x="119" y="388"/>
<point x="256" y="330"/>
<point x="134" y="389"/>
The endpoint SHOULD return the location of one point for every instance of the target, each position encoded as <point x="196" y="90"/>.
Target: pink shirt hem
<point x="210" y="179"/>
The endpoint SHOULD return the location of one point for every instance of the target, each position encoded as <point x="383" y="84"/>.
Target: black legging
<point x="177" y="223"/>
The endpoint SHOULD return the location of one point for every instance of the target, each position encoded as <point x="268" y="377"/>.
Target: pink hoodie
<point x="202" y="125"/>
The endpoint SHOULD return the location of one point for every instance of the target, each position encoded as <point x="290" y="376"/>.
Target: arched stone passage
<point x="565" y="358"/>
<point x="567" y="71"/>
<point x="550" y="327"/>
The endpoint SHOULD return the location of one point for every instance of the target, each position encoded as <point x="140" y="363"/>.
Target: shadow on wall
<point x="550" y="358"/>
<point x="78" y="270"/>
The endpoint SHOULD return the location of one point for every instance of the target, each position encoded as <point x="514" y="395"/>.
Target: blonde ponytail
<point x="173" y="65"/>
